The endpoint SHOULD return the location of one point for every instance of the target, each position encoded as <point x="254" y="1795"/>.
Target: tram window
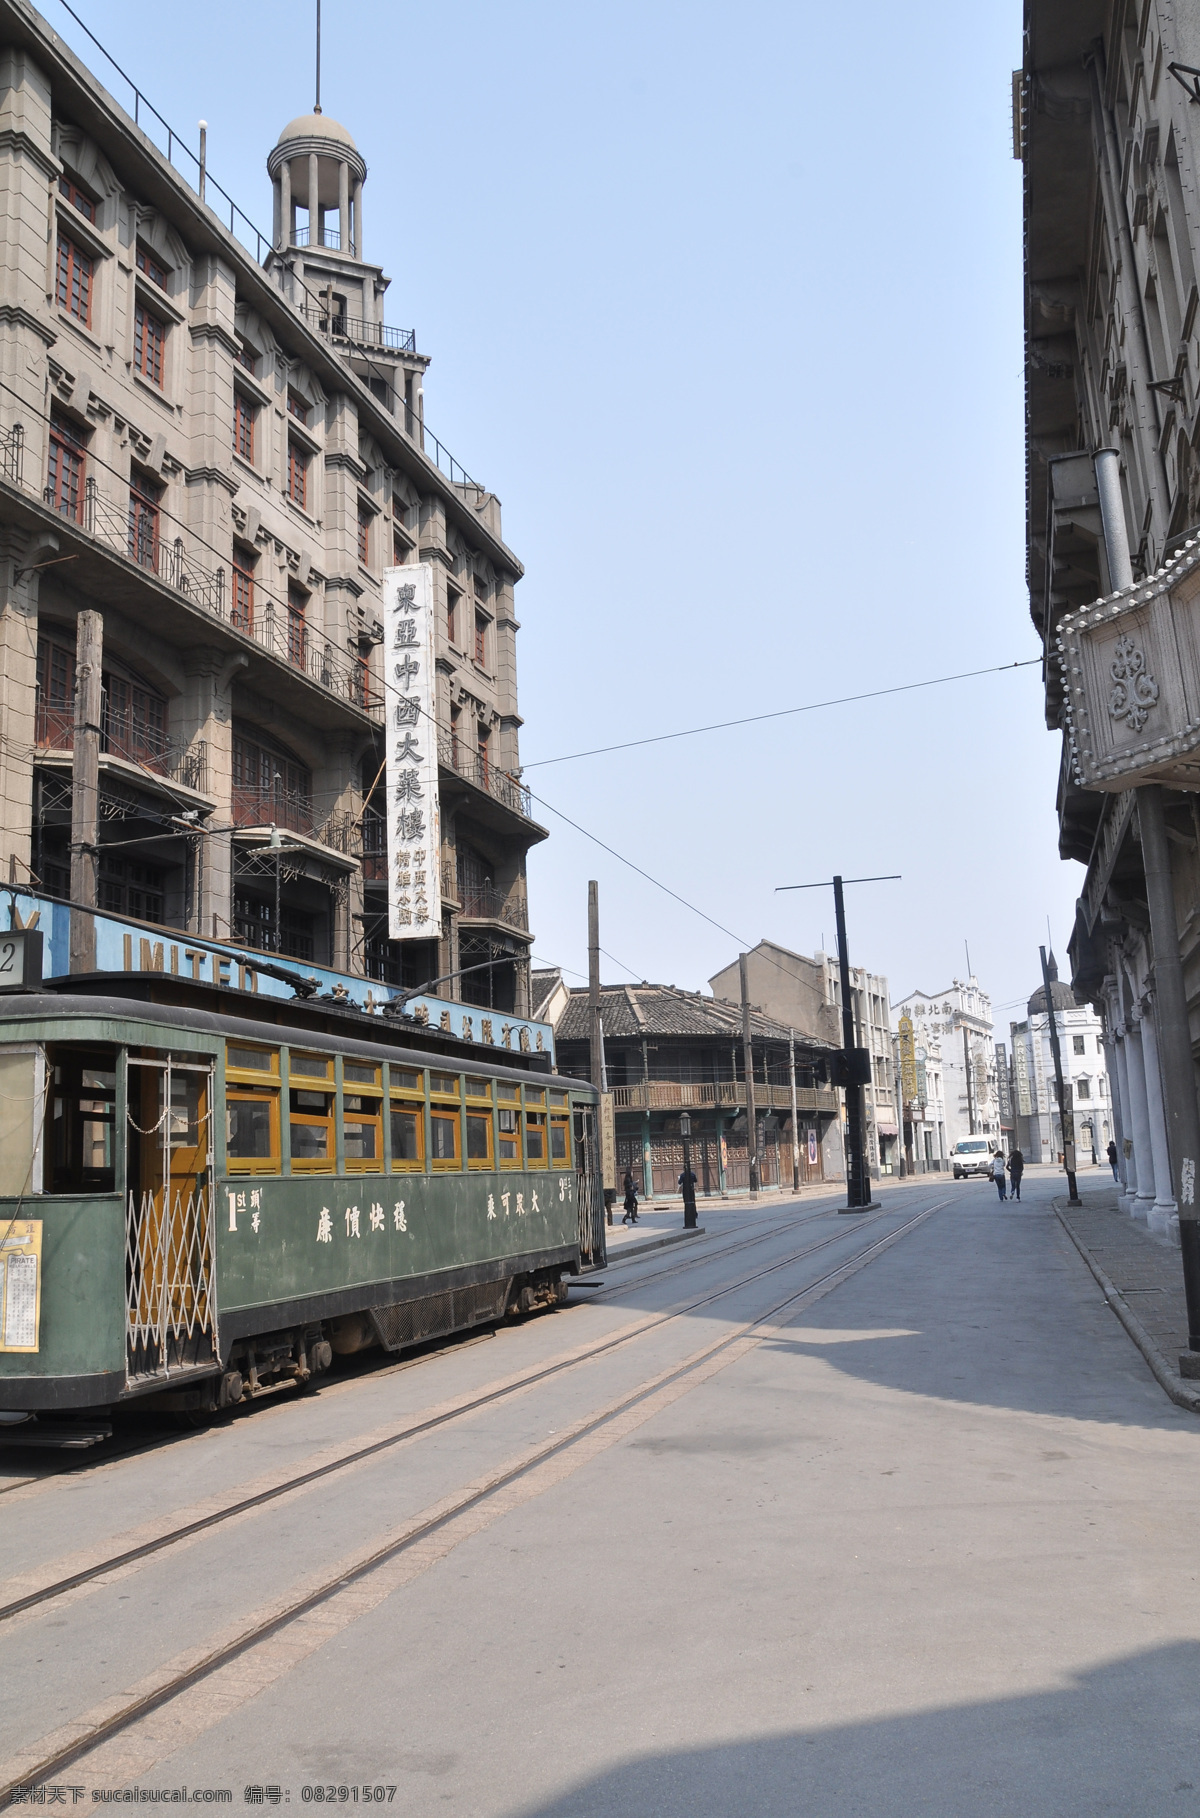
<point x="362" y="1132"/>
<point x="479" y="1139"/>
<point x="509" y="1137"/>
<point x="310" y="1128"/>
<point x="444" y="1083"/>
<point x="405" y="1079"/>
<point x="535" y="1139"/>
<point x="443" y="1139"/>
<point x="251" y="1060"/>
<point x="479" y="1088"/>
<point x="183" y="1123"/>
<point x="251" y="1131"/>
<point x="560" y="1142"/>
<point x="534" y="1095"/>
<point x="408" y="1133"/>
<point x="83" y="1093"/>
<point x="310" y="1066"/>
<point x="360" y="1072"/>
<point x="508" y="1092"/>
<point x="557" y="1098"/>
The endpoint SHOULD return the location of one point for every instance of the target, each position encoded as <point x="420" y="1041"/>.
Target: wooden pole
<point x="85" y="790"/>
<point x="748" y="1071"/>
<point x="795" y="1113"/>
<point x="594" y="1029"/>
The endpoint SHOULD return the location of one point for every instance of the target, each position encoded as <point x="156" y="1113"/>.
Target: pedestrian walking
<point x="1016" y="1167"/>
<point x="631" y="1202"/>
<point x="998" y="1171"/>
<point x="1111" y="1152"/>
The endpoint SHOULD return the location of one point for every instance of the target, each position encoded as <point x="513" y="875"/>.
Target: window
<point x="362" y="1132"/>
<point x="269" y="785"/>
<point x="128" y="887"/>
<point x="485" y="756"/>
<point x="297" y="475"/>
<point x="55" y="718"/>
<point x="1099" y="1044"/>
<point x="1083" y="1088"/>
<point x="452" y="599"/>
<point x="408" y="1136"/>
<point x="310" y="1127"/>
<point x="74" y="281"/>
<point x="311" y="1066"/>
<point x="297" y="408"/>
<point x="75" y="196"/>
<point x="241" y="605"/>
<point x="133" y="720"/>
<point x="479" y="1138"/>
<point x="82" y="1111"/>
<point x="251" y="1060"/>
<point x="455" y="720"/>
<point x="399" y="550"/>
<point x="143" y="522"/>
<point x="297" y="627"/>
<point x="443" y="1137"/>
<point x="149" y="266"/>
<point x="508" y="1123"/>
<point x="65" y="492"/>
<point x="247" y="357"/>
<point x="252" y="1109"/>
<point x="254" y="922"/>
<point x="364" y="536"/>
<point x="535" y="1139"/>
<point x="149" y="340"/>
<point x="560" y="1136"/>
<point x="243" y="426"/>
<point x="481" y="626"/>
<point x="1077" y="1043"/>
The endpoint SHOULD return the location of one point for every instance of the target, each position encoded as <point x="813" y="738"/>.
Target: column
<point x="85" y="790"/>
<point x="287" y="219"/>
<point x="1116" y="1116"/>
<point x="344" y="204"/>
<point x="1128" y="1163"/>
<point x="1143" y="1199"/>
<point x="314" y="202"/>
<point x="357" y="248"/>
<point x="721" y="1183"/>
<point x="1164" y="1208"/>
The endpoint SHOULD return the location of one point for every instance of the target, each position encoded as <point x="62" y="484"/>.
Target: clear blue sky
<point x="725" y="304"/>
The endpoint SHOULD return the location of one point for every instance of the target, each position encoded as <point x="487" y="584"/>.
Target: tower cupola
<point x="316" y="166"/>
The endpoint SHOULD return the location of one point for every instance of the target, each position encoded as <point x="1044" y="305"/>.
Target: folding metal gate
<point x="169" y="1230"/>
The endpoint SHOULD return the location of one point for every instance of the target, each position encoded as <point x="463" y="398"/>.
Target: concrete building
<point x="1106" y="123"/>
<point x="806" y="995"/>
<point x="957" y="1022"/>
<point x="1085" y="1071"/>
<point x="214" y="442"/>
<point x="923" y="1119"/>
<point x="668" y="1051"/>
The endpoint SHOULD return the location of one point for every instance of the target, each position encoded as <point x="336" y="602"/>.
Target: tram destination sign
<point x="20" y="959"/>
<point x="413" y="824"/>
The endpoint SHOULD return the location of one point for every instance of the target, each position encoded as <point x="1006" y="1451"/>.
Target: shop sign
<point x="413" y="831"/>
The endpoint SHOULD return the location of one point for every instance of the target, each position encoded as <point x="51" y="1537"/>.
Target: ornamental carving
<point x="1133" y="692"/>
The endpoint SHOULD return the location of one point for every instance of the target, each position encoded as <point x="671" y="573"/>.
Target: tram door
<point x="589" y="1193"/>
<point x="169" y="1216"/>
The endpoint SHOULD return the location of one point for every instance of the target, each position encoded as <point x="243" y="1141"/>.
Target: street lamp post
<point x="689" y="1179"/>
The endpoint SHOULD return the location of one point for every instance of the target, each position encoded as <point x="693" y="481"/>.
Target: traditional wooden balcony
<point x="725" y="1094"/>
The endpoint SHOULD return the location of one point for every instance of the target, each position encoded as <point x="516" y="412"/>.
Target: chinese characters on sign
<point x="413" y="834"/>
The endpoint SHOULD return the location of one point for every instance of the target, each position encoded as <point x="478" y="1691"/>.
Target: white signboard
<point x="413" y="832"/>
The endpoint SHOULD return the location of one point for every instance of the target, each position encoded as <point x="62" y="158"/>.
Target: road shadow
<point x="1120" y="1738"/>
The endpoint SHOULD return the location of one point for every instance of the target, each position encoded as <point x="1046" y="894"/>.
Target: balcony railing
<point x="341" y="327"/>
<point x="54" y="730"/>
<point x="325" y="236"/>
<point x="272" y="808"/>
<point x="485" y="903"/>
<point x="670" y="1095"/>
<point x="501" y="785"/>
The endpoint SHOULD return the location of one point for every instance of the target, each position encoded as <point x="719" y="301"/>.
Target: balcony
<point x="272" y="808"/>
<point x="676" y="1095"/>
<point x="474" y="768"/>
<point x="485" y="903"/>
<point x="54" y="730"/>
<point x="337" y="326"/>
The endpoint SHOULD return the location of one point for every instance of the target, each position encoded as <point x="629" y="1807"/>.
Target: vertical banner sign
<point x="413" y="831"/>
<point x="1020" y="1061"/>
<point x="908" y="1061"/>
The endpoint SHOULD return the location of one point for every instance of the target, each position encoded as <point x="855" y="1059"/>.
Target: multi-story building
<point x="212" y="446"/>
<point x="959" y="1021"/>
<point x="806" y="995"/>
<point x="1107" y="124"/>
<point x="1085" y="1071"/>
<point x="923" y="1118"/>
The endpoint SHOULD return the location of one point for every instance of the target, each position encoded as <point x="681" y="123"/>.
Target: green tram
<point x="204" y="1193"/>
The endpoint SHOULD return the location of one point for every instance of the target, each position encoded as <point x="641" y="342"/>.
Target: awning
<point x="887" y="1130"/>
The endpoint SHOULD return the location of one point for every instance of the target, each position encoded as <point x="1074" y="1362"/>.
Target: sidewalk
<point x="1142" y="1278"/>
<point x="653" y="1229"/>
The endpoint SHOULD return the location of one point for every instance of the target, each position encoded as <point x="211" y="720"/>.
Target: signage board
<point x="1020" y="1067"/>
<point x="20" y="959"/>
<point x="413" y="822"/>
<point x="908" y="1061"/>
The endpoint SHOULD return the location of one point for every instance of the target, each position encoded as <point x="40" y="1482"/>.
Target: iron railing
<point x="668" y="1094"/>
<point x="54" y="730"/>
<point x="501" y="785"/>
<point x="276" y="807"/>
<point x="360" y="332"/>
<point x="12" y="453"/>
<point x="325" y="236"/>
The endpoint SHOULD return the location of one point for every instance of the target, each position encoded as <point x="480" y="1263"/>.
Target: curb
<point x="654" y="1243"/>
<point x="1168" y="1379"/>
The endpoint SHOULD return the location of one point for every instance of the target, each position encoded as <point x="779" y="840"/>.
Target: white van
<point x="972" y="1156"/>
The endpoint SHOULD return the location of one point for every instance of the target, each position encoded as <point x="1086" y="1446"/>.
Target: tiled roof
<point x="631" y="1011"/>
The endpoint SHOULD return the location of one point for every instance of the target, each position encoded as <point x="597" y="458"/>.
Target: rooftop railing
<point x="358" y="331"/>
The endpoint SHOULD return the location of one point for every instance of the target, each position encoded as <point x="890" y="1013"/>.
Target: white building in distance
<point x="959" y="1021"/>
<point x="1081" y="1043"/>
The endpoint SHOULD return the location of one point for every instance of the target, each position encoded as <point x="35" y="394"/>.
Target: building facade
<point x="923" y="1116"/>
<point x="1106" y="123"/>
<point x="209" y="456"/>
<point x="955" y="1026"/>
<point x="806" y="995"/>
<point x="667" y="1052"/>
<point x="1085" y="1072"/>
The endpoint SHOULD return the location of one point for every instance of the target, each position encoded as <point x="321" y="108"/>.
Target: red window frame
<point x="143" y="524"/>
<point x="364" y="536"/>
<point x="68" y="466"/>
<point x="149" y="342"/>
<point x="297" y="408"/>
<point x="149" y="266"/>
<point x="76" y="198"/>
<point x="452" y="600"/>
<point x="247" y="357"/>
<point x="297" y="477"/>
<point x="481" y="626"/>
<point x="243" y="426"/>
<point x="485" y="757"/>
<point x="241" y="605"/>
<point x="74" y="284"/>
<point x="297" y="628"/>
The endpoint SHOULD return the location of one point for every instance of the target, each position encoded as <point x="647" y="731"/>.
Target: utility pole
<point x="594" y="1027"/>
<point x="967" y="1071"/>
<point x="858" y="1180"/>
<point x="1066" y="1114"/>
<point x="795" y="1113"/>
<point x="85" y="790"/>
<point x="748" y="1071"/>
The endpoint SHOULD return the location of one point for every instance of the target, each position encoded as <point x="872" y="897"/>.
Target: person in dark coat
<point x="630" y="1217"/>
<point x="1016" y="1167"/>
<point x="1111" y="1152"/>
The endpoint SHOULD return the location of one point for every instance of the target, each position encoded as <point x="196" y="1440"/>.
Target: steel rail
<point x="226" y="1652"/>
<point x="413" y="1430"/>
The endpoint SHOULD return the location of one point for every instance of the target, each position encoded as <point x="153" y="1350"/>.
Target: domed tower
<point x="317" y="166"/>
<point x="1061" y="996"/>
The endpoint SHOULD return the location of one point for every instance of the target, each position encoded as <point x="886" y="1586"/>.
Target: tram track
<point x="417" y="1429"/>
<point x="75" y="1741"/>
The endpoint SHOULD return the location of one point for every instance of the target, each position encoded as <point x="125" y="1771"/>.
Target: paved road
<point x="922" y="1544"/>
